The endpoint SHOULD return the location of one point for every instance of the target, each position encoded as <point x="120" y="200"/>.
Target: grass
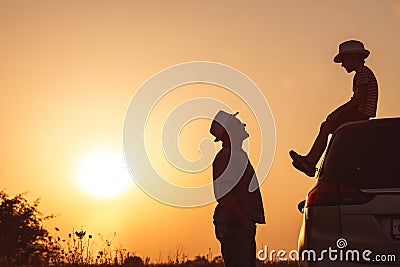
<point x="24" y="242"/>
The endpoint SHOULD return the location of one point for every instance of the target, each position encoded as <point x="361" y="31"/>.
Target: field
<point x="24" y="242"/>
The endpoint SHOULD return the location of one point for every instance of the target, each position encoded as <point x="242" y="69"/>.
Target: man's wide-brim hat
<point x="220" y="123"/>
<point x="351" y="47"/>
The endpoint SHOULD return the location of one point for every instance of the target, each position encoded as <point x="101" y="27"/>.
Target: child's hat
<point x="351" y="46"/>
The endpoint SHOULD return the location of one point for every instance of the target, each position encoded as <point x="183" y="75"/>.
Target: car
<point x="351" y="216"/>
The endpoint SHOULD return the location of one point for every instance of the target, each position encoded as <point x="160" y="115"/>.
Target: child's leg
<point x="320" y="143"/>
<point x="341" y="115"/>
<point x="329" y="127"/>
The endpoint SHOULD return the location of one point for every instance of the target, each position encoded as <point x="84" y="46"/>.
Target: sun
<point x="104" y="174"/>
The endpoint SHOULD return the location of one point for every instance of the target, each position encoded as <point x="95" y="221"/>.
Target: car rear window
<point x="366" y="158"/>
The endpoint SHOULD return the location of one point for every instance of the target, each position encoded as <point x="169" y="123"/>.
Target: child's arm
<point x="354" y="103"/>
<point x="346" y="107"/>
<point x="360" y="95"/>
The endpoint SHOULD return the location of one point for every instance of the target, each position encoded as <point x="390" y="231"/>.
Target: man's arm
<point x="229" y="202"/>
<point x="223" y="179"/>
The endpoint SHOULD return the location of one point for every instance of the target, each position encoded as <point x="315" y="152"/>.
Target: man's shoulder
<point x="223" y="155"/>
<point x="226" y="153"/>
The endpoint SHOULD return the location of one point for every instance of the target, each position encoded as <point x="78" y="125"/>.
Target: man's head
<point x="227" y="127"/>
<point x="351" y="54"/>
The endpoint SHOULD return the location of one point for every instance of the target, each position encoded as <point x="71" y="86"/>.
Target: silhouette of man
<point x="361" y="106"/>
<point x="236" y="190"/>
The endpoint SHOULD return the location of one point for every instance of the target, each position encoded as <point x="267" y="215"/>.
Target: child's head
<point x="352" y="54"/>
<point x="352" y="61"/>
<point x="351" y="47"/>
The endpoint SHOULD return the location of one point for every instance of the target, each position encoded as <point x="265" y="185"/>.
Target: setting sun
<point x="103" y="174"/>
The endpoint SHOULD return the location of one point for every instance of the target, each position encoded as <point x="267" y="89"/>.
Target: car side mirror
<point x="301" y="205"/>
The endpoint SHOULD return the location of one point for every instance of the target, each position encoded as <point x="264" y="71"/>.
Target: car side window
<point x="364" y="158"/>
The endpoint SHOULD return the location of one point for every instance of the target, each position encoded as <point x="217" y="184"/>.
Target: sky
<point x="69" y="70"/>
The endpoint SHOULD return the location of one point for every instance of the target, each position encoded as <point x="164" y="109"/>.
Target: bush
<point x="23" y="239"/>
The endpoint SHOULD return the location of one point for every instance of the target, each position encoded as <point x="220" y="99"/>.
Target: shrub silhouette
<point x="23" y="239"/>
<point x="134" y="261"/>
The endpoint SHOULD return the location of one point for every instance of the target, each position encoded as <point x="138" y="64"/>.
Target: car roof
<point x="380" y="122"/>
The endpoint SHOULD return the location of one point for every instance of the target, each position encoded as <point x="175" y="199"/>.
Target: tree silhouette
<point x="23" y="239"/>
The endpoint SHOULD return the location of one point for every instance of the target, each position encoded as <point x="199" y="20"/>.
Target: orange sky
<point x="68" y="70"/>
